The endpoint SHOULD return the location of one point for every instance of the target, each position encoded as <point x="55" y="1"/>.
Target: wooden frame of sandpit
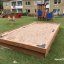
<point x="33" y="39"/>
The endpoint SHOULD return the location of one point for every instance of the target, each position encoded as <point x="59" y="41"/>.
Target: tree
<point x="1" y="3"/>
<point x="1" y="6"/>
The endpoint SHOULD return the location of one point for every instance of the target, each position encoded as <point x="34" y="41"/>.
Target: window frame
<point x="14" y="4"/>
<point x="28" y="3"/>
<point x="55" y="1"/>
<point x="20" y="3"/>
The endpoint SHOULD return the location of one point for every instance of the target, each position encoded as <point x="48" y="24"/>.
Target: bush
<point x="14" y="13"/>
<point x="24" y="14"/>
<point x="32" y="14"/>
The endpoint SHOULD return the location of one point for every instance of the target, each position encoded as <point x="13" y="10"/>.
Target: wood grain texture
<point x="36" y="37"/>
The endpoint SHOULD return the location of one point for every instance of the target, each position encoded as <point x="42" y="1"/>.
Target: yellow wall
<point x="31" y="6"/>
<point x="54" y="6"/>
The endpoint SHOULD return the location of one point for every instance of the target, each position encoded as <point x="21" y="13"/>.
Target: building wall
<point x="7" y="5"/>
<point x="32" y="5"/>
<point x="56" y="6"/>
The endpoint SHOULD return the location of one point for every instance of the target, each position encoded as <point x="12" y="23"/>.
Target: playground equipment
<point x="42" y="13"/>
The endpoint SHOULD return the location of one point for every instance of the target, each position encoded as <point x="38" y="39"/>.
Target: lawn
<point x="9" y="56"/>
<point x="5" y="25"/>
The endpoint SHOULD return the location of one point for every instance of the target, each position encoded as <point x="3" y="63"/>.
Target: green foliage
<point x="24" y="13"/>
<point x="5" y="24"/>
<point x="1" y="4"/>
<point x="14" y="13"/>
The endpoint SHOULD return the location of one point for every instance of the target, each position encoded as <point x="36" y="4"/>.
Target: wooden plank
<point x="25" y="51"/>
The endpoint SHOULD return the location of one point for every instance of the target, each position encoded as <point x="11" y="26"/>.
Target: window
<point x="13" y="3"/>
<point x="19" y="10"/>
<point x="59" y="1"/>
<point x="47" y="2"/>
<point x="19" y="3"/>
<point x="47" y="9"/>
<point x="14" y="10"/>
<point x="35" y="10"/>
<point x="56" y="11"/>
<point x="27" y="3"/>
<point x="35" y="2"/>
<point x="55" y="1"/>
<point x="28" y="10"/>
<point x="39" y="2"/>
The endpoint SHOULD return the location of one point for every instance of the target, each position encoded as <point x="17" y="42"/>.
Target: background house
<point x="30" y="6"/>
<point x="13" y="5"/>
<point x="57" y="6"/>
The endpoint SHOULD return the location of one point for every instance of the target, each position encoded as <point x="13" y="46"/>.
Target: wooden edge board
<point x="41" y="50"/>
<point x="25" y="51"/>
<point x="48" y="48"/>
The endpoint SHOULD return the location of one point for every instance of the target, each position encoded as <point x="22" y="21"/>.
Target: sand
<point x="35" y="34"/>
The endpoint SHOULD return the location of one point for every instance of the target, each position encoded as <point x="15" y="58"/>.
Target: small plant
<point x="24" y="13"/>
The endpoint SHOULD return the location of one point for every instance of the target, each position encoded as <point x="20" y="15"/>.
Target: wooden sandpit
<point x="35" y="38"/>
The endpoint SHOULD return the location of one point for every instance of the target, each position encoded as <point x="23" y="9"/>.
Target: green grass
<point x="7" y="56"/>
<point x="5" y="25"/>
